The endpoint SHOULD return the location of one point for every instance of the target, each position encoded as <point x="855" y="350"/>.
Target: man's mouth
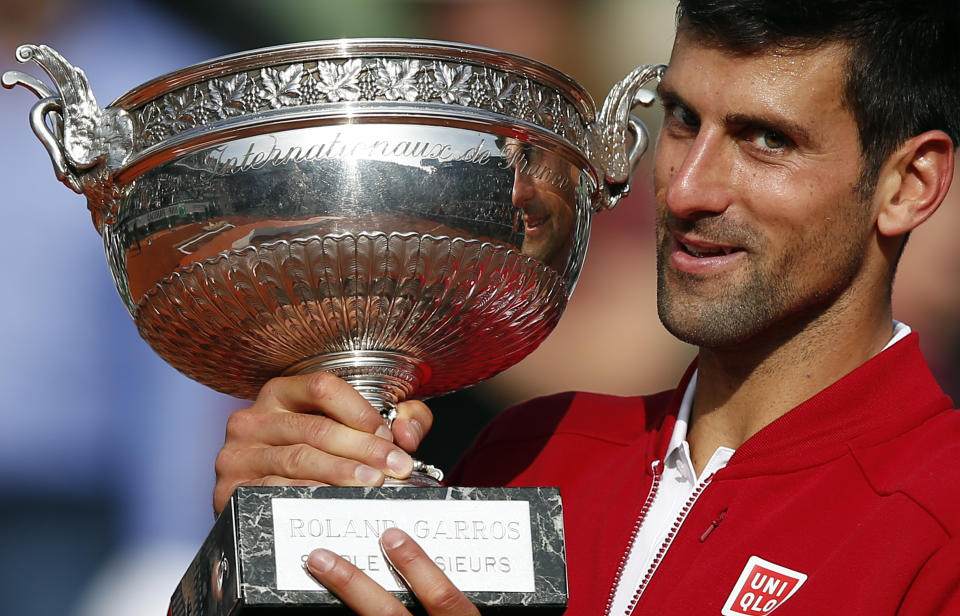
<point x="703" y="251"/>
<point x="532" y="222"/>
<point x="694" y="255"/>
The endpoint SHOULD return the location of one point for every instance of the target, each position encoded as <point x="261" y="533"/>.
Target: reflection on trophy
<point x="546" y="202"/>
<point x="411" y="216"/>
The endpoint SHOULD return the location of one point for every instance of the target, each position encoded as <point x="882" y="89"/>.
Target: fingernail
<point x="392" y="538"/>
<point x="321" y="560"/>
<point x="399" y="462"/>
<point x="366" y="474"/>
<point x="385" y="433"/>
<point x="417" y="429"/>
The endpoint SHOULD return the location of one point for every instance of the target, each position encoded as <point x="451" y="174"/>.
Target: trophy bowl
<point x="411" y="216"/>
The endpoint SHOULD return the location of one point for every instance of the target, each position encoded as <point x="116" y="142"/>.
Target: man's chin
<point x="719" y="327"/>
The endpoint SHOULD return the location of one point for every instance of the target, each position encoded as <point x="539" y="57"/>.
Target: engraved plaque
<point x="252" y="561"/>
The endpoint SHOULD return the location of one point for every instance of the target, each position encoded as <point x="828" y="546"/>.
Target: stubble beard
<point x="766" y="296"/>
<point x="731" y="317"/>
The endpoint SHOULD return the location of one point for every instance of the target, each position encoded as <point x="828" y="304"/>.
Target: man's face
<point x="759" y="222"/>
<point x="544" y="189"/>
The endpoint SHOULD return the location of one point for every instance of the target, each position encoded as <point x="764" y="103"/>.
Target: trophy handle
<point x="608" y="135"/>
<point x="85" y="143"/>
<point x="51" y="136"/>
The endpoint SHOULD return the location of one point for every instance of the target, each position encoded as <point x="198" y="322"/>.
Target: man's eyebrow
<point x="776" y="123"/>
<point x="669" y="96"/>
<point x="794" y="130"/>
<point x="666" y="92"/>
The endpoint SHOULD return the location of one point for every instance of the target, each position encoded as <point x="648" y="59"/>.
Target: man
<point x="544" y="184"/>
<point x="807" y="462"/>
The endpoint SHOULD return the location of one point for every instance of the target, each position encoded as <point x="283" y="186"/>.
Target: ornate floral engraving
<point x="531" y="105"/>
<point x="360" y="79"/>
<point x="154" y="128"/>
<point x="397" y="79"/>
<point x="452" y="82"/>
<point x="368" y="84"/>
<point x="281" y="87"/>
<point x="180" y="109"/>
<point x="338" y="81"/>
<point x="500" y="90"/>
<point x="573" y="127"/>
<point x="552" y="111"/>
<point x="227" y="98"/>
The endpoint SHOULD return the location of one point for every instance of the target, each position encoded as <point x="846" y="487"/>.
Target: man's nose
<point x="702" y="179"/>
<point x="523" y="188"/>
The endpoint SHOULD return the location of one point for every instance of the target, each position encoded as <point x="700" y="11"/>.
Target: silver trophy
<point x="411" y="216"/>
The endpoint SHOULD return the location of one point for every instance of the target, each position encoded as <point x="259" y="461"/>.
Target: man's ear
<point x="913" y="182"/>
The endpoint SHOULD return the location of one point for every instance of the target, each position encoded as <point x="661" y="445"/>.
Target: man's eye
<point x="684" y="116"/>
<point x="769" y="140"/>
<point x="680" y="116"/>
<point x="773" y="140"/>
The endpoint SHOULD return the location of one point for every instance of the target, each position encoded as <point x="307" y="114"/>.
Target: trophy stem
<point x="383" y="378"/>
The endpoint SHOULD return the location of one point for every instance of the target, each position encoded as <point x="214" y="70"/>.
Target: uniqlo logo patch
<point x="762" y="588"/>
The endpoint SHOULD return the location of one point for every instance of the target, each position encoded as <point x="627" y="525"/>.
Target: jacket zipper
<point x="657" y="469"/>
<point x="684" y="511"/>
<point x="713" y="526"/>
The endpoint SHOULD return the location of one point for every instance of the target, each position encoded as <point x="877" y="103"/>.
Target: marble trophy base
<point x="503" y="547"/>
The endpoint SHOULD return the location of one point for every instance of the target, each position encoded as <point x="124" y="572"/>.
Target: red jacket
<point x="858" y="489"/>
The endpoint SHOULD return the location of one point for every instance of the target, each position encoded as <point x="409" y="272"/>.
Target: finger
<point x="355" y="589"/>
<point x="324" y="434"/>
<point x="414" y="420"/>
<point x="434" y="590"/>
<point x="320" y="392"/>
<point x="304" y="462"/>
<point x="301" y="461"/>
<point x="222" y="493"/>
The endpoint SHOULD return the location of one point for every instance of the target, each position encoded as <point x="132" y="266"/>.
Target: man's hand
<point x="315" y="429"/>
<point x="364" y="596"/>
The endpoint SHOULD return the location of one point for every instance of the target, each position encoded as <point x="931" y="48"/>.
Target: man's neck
<point x="740" y="391"/>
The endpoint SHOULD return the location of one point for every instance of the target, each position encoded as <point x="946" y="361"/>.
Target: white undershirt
<point x="678" y="483"/>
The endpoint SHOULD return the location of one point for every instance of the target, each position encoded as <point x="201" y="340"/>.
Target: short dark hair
<point x="903" y="73"/>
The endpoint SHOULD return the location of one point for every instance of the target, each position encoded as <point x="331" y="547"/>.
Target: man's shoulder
<point x="922" y="464"/>
<point x="545" y="441"/>
<point x="592" y="415"/>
